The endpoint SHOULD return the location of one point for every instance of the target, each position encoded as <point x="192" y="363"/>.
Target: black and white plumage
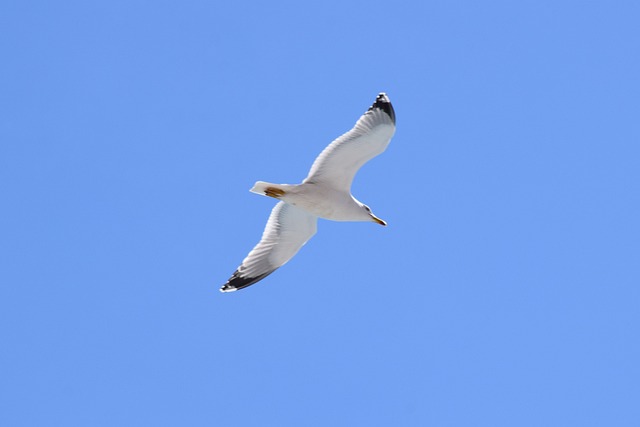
<point x="325" y="193"/>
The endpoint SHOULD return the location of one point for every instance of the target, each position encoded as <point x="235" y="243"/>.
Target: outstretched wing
<point x="287" y="230"/>
<point x="338" y="163"/>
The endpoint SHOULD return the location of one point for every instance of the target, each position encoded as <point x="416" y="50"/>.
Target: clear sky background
<point x="504" y="292"/>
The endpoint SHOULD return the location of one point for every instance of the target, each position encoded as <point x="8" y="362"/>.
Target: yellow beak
<point x="378" y="220"/>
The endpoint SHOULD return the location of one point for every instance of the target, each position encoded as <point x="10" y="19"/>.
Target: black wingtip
<point x="382" y="102"/>
<point x="236" y="282"/>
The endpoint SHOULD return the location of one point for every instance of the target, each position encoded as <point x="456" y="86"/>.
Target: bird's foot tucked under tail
<point x="268" y="189"/>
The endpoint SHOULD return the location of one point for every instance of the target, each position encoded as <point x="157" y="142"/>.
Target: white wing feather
<point x="338" y="163"/>
<point x="287" y="230"/>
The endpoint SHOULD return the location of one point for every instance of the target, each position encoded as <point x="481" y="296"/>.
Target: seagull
<point x="324" y="193"/>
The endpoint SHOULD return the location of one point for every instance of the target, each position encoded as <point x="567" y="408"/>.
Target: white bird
<point x="325" y="193"/>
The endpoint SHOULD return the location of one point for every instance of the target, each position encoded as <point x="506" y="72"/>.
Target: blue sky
<point x="504" y="292"/>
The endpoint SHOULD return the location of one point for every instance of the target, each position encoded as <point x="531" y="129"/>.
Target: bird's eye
<point x="367" y="208"/>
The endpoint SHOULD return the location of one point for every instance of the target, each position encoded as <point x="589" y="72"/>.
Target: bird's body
<point x="325" y="193"/>
<point x="318" y="199"/>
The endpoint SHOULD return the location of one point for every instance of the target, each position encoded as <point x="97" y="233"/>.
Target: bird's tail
<point x="269" y="189"/>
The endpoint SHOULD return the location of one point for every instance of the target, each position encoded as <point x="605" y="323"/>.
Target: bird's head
<point x="371" y="216"/>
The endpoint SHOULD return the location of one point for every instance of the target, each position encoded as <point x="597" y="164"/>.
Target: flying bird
<point x="324" y="193"/>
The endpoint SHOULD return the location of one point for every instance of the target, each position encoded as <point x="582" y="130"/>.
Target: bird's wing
<point x="287" y="230"/>
<point x="338" y="163"/>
